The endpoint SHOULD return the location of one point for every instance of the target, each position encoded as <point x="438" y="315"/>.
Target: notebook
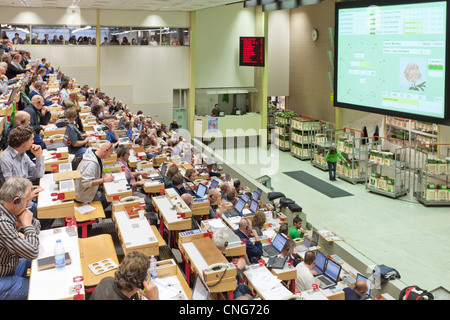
<point x="330" y="276"/>
<point x="274" y="249"/>
<point x="361" y="277"/>
<point x="237" y="210"/>
<point x="305" y="246"/>
<point x="201" y="190"/>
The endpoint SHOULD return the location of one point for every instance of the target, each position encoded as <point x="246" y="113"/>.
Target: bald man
<point x="245" y="231"/>
<point x="21" y="118"/>
<point x="72" y="101"/>
<point x="39" y="114"/>
<point x="358" y="292"/>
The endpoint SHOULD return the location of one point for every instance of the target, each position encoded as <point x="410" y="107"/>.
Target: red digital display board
<point x="251" y="51"/>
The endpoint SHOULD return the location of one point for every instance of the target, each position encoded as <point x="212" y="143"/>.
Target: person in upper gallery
<point x="153" y="42"/>
<point x="144" y="41"/>
<point x="17" y="39"/>
<point x="19" y="238"/>
<point x="36" y="40"/>
<point x="331" y="159"/>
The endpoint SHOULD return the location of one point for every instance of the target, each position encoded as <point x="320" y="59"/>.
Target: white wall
<point x="135" y="18"/>
<point x="278" y="53"/>
<point x="218" y="32"/>
<point x="47" y="16"/>
<point x="144" y="77"/>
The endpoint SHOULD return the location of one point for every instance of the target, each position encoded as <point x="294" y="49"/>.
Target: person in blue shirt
<point x="245" y="231"/>
<point x="128" y="130"/>
<point x="357" y="293"/>
<point x="111" y="134"/>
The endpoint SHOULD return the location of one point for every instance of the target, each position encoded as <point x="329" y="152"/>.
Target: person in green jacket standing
<point x="331" y="159"/>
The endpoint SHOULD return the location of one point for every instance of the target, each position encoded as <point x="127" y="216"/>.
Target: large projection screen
<point x="390" y="58"/>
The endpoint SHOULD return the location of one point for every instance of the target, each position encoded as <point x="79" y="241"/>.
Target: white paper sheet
<point x="85" y="209"/>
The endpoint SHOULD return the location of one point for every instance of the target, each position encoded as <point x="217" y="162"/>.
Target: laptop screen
<point x="361" y="277"/>
<point x="255" y="196"/>
<point x="239" y="205"/>
<point x="307" y="242"/>
<point x="253" y="206"/>
<point x="245" y="197"/>
<point x="332" y="270"/>
<point x="213" y="184"/>
<point x="315" y="237"/>
<point x="320" y="260"/>
<point x="201" y="190"/>
<point x="12" y="95"/>
<point x="279" y="242"/>
<point x="163" y="168"/>
<point x="200" y="290"/>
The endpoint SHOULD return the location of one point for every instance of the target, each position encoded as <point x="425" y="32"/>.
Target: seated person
<point x="171" y="171"/>
<point x="290" y="251"/>
<point x="188" y="199"/>
<point x="39" y="114"/>
<point x="305" y="275"/>
<point x="77" y="144"/>
<point x="177" y="184"/>
<point x="220" y="239"/>
<point x="92" y="175"/>
<point x="17" y="250"/>
<point x="21" y="118"/>
<point x="224" y="187"/>
<point x="296" y="230"/>
<point x="213" y="196"/>
<point x="190" y="175"/>
<point x="254" y="250"/>
<point x="71" y="101"/>
<point x="173" y="125"/>
<point x="39" y="90"/>
<point x="111" y="134"/>
<point x="130" y="277"/>
<point x="357" y="293"/>
<point x="259" y="219"/>
<point x="211" y="173"/>
<point x="123" y="153"/>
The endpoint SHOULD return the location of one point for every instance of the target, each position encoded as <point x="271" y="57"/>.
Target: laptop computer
<point x="361" y="277"/>
<point x="237" y="210"/>
<point x="315" y="239"/>
<point x="274" y="249"/>
<point x="200" y="291"/>
<point x="330" y="275"/>
<point x="277" y="262"/>
<point x="214" y="183"/>
<point x="12" y="95"/>
<point x="321" y="260"/>
<point x="201" y="190"/>
<point x="256" y="194"/>
<point x="305" y="245"/>
<point x="254" y="206"/>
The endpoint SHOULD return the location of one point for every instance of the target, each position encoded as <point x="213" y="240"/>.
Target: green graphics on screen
<point x="393" y="57"/>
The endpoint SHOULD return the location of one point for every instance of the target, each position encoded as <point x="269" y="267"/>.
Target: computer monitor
<point x="201" y="190"/>
<point x="214" y="183"/>
<point x="361" y="277"/>
<point x="240" y="205"/>
<point x="200" y="291"/>
<point x="279" y="241"/>
<point x="253" y="206"/>
<point x="221" y="114"/>
<point x="332" y="270"/>
<point x="320" y="260"/>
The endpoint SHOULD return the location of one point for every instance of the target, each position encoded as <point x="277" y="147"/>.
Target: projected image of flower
<point x="413" y="75"/>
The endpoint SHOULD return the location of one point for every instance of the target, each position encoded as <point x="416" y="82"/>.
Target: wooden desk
<point x="55" y="284"/>
<point x="83" y="220"/>
<point x="95" y="249"/>
<point x="48" y="205"/>
<point x="235" y="246"/>
<point x="199" y="253"/>
<point x="135" y="234"/>
<point x="258" y="279"/>
<point x="169" y="272"/>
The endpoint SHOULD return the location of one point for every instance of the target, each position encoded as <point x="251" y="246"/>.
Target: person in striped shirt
<point x="19" y="238"/>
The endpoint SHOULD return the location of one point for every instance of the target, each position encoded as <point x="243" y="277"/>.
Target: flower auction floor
<point x="400" y="233"/>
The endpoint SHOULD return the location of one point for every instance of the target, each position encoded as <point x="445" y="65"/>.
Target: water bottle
<point x="153" y="271"/>
<point x="60" y="255"/>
